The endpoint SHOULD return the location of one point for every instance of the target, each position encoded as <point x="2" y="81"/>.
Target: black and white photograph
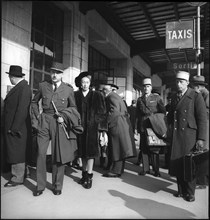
<point x="104" y="110"/>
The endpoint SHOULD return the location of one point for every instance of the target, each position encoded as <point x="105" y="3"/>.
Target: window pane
<point x="47" y="77"/>
<point x="58" y="53"/>
<point x="39" y="42"/>
<point x="49" y="26"/>
<point x="48" y="63"/>
<point x="38" y="15"/>
<point x="49" y="47"/>
<point x="37" y="79"/>
<point x="38" y="60"/>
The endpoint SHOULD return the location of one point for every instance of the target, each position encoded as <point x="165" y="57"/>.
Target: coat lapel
<point x="187" y="95"/>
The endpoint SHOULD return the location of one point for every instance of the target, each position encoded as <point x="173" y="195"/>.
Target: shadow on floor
<point x="141" y="206"/>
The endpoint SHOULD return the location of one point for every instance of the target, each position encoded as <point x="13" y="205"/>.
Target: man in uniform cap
<point x="198" y="83"/>
<point x="147" y="105"/>
<point x="48" y="125"/>
<point x="187" y="117"/>
<point x="17" y="125"/>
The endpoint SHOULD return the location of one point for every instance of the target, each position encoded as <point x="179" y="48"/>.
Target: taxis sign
<point x="180" y="34"/>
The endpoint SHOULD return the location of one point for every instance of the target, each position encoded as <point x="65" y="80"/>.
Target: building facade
<point x="34" y="33"/>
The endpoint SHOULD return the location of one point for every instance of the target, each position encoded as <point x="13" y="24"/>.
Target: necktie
<point x="179" y="96"/>
<point x="55" y="87"/>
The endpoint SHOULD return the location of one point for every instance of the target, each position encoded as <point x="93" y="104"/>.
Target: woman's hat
<point x="81" y="75"/>
<point x="199" y="80"/>
<point x="15" y="71"/>
<point x="57" y="67"/>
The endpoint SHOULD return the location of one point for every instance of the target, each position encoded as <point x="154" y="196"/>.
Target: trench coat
<point x="17" y="118"/>
<point x="188" y="120"/>
<point x="63" y="99"/>
<point x="120" y="130"/>
<point x="92" y="109"/>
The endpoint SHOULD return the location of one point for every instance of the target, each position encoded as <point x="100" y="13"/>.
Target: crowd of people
<point x="86" y="124"/>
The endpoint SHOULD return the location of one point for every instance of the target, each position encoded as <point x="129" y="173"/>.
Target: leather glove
<point x="34" y="131"/>
<point x="14" y="133"/>
<point x="103" y="138"/>
<point x="60" y="119"/>
<point x="199" y="145"/>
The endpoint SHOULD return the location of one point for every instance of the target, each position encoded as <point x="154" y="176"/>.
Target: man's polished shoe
<point x="56" y="192"/>
<point x="38" y="192"/>
<point x="178" y="195"/>
<point x="12" y="184"/>
<point x="190" y="198"/>
<point x="109" y="174"/>
<point x="157" y="174"/>
<point x="143" y="173"/>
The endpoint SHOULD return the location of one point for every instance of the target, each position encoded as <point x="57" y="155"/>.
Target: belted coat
<point x="188" y="120"/>
<point x="147" y="106"/>
<point x="120" y="130"/>
<point x="16" y="117"/>
<point x="63" y="149"/>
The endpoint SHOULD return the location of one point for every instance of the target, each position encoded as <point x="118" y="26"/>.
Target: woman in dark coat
<point x="92" y="108"/>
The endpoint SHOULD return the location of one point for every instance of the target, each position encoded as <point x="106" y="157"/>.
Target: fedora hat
<point x="81" y="75"/>
<point x="15" y="71"/>
<point x="57" y="67"/>
<point x="199" y="80"/>
<point x="114" y="86"/>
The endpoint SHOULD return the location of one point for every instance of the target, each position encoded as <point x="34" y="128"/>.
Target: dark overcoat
<point x="63" y="99"/>
<point x="188" y="119"/>
<point x="120" y="130"/>
<point x="146" y="107"/>
<point x="93" y="116"/>
<point x="17" y="118"/>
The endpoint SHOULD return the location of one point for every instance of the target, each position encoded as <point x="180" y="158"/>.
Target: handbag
<point x="196" y="164"/>
<point x="153" y="140"/>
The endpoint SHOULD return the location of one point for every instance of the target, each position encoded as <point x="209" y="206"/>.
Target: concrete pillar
<point x="129" y="82"/>
<point x="15" y="41"/>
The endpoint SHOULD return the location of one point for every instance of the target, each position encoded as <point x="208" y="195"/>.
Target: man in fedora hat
<point x="199" y="84"/>
<point x="51" y="125"/>
<point x="187" y="117"/>
<point x="121" y="142"/>
<point x="17" y="125"/>
<point x="149" y="103"/>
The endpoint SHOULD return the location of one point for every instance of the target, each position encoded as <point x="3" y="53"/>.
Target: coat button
<point x="185" y="110"/>
<point x="174" y="128"/>
<point x="183" y="119"/>
<point x="182" y="129"/>
<point x="175" y="120"/>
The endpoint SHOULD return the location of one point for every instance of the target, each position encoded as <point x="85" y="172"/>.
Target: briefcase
<point x="154" y="140"/>
<point x="196" y="164"/>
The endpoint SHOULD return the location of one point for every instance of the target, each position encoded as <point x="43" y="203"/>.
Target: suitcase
<point x="196" y="164"/>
